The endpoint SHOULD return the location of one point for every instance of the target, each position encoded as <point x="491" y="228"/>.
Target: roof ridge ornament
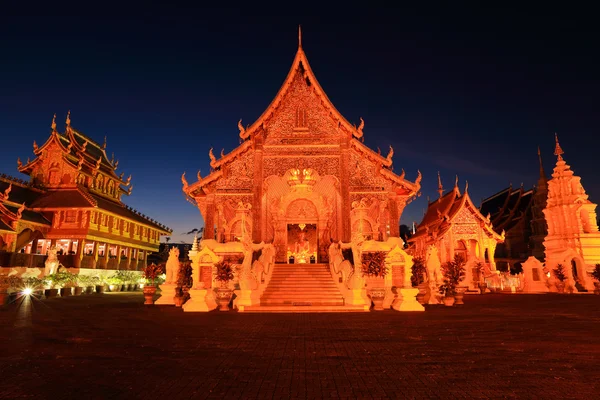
<point x="104" y="144"/>
<point x="35" y="146"/>
<point x="466" y="186"/>
<point x="390" y="155"/>
<point x="360" y="128"/>
<point x="299" y="36"/>
<point x="68" y="120"/>
<point x="53" y="125"/>
<point x="243" y="134"/>
<point x="440" y="187"/>
<point x="558" y="151"/>
<point x="184" y="181"/>
<point x="199" y="176"/>
<point x="456" y="181"/>
<point x="213" y="159"/>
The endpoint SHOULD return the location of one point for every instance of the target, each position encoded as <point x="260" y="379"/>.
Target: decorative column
<point x="129" y="254"/>
<point x="345" y="188"/>
<point x="95" y="254"/>
<point x="258" y="189"/>
<point x="209" y="221"/>
<point x="79" y="252"/>
<point x="394" y="217"/>
<point x="105" y="256"/>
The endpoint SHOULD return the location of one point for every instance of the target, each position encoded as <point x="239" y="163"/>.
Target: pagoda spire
<point x="299" y="36"/>
<point x="542" y="172"/>
<point x="440" y="187"/>
<point x="558" y="151"/>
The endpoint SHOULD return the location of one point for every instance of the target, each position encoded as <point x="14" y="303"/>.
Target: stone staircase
<point x="302" y="288"/>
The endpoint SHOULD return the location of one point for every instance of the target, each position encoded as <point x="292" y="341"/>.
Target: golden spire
<point x="558" y="151"/>
<point x="299" y="36"/>
<point x="53" y="126"/>
<point x="440" y="187"/>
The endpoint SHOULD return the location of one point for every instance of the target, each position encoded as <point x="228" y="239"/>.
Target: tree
<point x="405" y="233"/>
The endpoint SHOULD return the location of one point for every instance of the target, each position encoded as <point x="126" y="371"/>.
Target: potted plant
<point x="454" y="273"/>
<point x="561" y="277"/>
<point x="69" y="285"/>
<point x="100" y="284"/>
<point x="150" y="274"/>
<point x="418" y="278"/>
<point x="52" y="284"/>
<point x="224" y="276"/>
<point x="596" y="275"/>
<point x="114" y="283"/>
<point x="373" y="265"/>
<point x="87" y="282"/>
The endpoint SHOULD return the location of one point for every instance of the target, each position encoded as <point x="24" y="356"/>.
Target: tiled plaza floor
<point x="113" y="347"/>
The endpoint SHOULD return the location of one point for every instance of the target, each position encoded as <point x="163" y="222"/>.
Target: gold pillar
<point x="79" y="252"/>
<point x="95" y="254"/>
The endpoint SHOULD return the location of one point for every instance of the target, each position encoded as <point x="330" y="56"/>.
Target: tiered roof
<point x="507" y="207"/>
<point x="440" y="215"/>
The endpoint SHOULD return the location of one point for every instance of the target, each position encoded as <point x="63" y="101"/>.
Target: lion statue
<point x="172" y="268"/>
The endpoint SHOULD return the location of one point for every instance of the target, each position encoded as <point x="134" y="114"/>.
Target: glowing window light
<point x="27" y="291"/>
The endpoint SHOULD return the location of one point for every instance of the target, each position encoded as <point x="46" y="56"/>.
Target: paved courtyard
<point x="114" y="347"/>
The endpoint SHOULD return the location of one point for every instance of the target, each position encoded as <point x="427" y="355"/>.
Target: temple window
<point x="71" y="216"/>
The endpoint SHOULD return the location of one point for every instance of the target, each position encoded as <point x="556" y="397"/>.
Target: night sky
<point x="460" y="92"/>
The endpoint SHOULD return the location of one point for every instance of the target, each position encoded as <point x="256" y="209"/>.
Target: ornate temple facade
<point x="301" y="178"/>
<point x="73" y="203"/>
<point x="573" y="238"/>
<point x="454" y="225"/>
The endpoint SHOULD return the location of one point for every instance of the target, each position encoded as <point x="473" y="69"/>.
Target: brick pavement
<point x="113" y="347"/>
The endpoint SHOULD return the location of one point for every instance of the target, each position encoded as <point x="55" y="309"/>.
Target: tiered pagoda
<point x="73" y="202"/>
<point x="453" y="225"/>
<point x="573" y="238"/>
<point x="301" y="177"/>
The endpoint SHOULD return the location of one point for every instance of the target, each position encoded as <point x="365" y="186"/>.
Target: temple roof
<point x="78" y="150"/>
<point x="507" y="207"/>
<point x="440" y="214"/>
<point x="300" y="66"/>
<point x="20" y="191"/>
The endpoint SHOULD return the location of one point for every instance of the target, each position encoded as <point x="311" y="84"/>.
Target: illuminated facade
<point x="301" y="177"/>
<point x="573" y="238"/>
<point x="73" y="202"/>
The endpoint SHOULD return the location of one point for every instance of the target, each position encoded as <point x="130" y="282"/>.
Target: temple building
<point x="519" y="213"/>
<point x="453" y="225"/>
<point x="73" y="202"/>
<point x="573" y="238"/>
<point x="301" y="177"/>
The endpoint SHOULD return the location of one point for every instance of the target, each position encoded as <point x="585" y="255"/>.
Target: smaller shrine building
<point x="453" y="225"/>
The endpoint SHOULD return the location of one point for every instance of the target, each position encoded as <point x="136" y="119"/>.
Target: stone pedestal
<point x="167" y="295"/>
<point x="356" y="297"/>
<point x="197" y="302"/>
<point x="245" y="298"/>
<point x="407" y="300"/>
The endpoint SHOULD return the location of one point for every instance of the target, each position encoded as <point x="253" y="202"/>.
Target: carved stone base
<point x="356" y="297"/>
<point x="197" y="302"/>
<point x="407" y="300"/>
<point x="167" y="295"/>
<point x="246" y="298"/>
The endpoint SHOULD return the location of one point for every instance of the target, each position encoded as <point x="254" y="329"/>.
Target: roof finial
<point x="440" y="187"/>
<point x="299" y="36"/>
<point x="68" y="121"/>
<point x="53" y="126"/>
<point x="466" y="186"/>
<point x="542" y="172"/>
<point x="104" y="144"/>
<point x="456" y="181"/>
<point x="558" y="151"/>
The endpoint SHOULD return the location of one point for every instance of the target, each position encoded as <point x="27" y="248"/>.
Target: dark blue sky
<point x="463" y="92"/>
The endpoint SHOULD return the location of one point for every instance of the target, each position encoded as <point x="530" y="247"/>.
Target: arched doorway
<point x="302" y="241"/>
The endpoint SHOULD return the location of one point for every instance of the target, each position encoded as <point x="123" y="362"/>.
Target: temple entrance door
<point x="302" y="243"/>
